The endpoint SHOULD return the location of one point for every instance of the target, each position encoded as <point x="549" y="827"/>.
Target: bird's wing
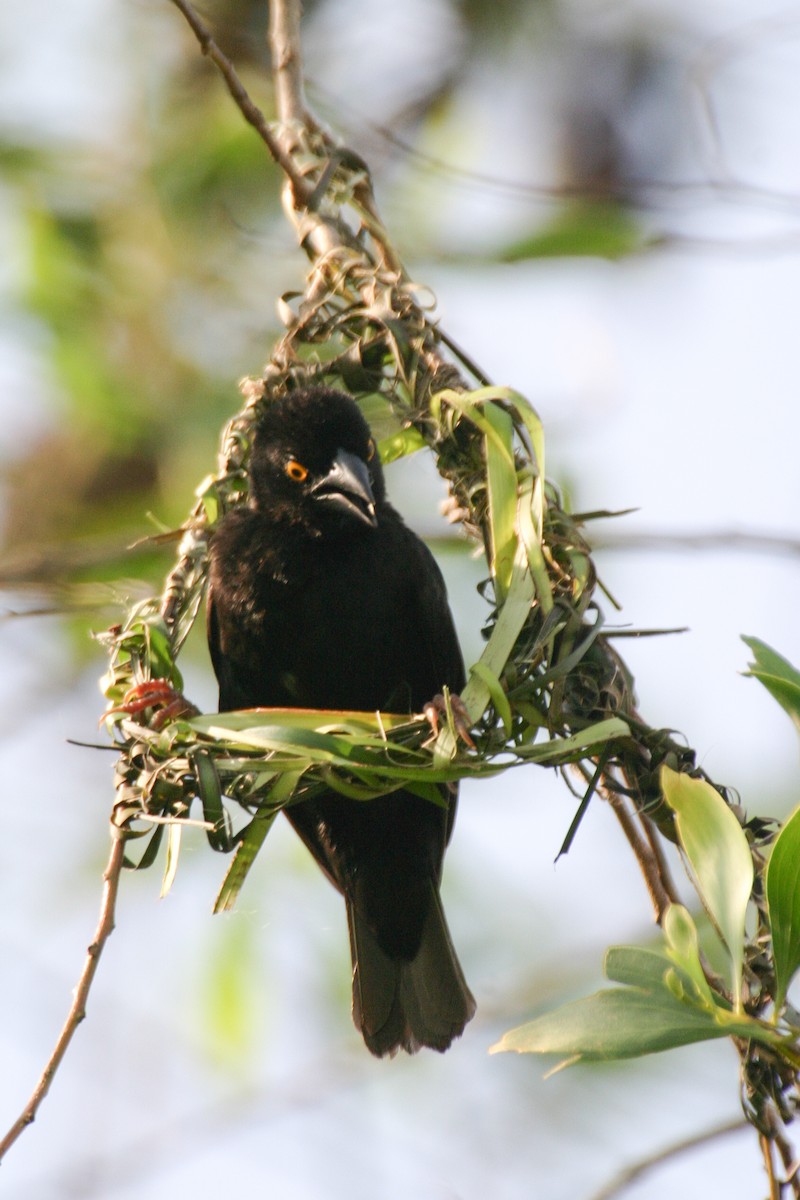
<point x="229" y="697"/>
<point x="440" y="660"/>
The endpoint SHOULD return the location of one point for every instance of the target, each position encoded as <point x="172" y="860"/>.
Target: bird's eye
<point x="296" y="471"/>
<point x="371" y="450"/>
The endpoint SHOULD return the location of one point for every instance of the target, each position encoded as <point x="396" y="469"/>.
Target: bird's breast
<point x="318" y="625"/>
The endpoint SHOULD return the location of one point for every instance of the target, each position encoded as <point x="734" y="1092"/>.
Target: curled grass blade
<point x="501" y="478"/>
<point x="512" y="617"/>
<point x="252" y="839"/>
<point x="174" y="832"/>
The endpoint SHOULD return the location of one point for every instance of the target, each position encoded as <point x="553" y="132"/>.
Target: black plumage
<point x="321" y="597"/>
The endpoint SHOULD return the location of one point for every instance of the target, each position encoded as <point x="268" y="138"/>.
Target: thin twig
<point x="643" y="1167"/>
<point x="662" y="866"/>
<point x="249" y="110"/>
<point x="287" y="70"/>
<point x="766" y="1153"/>
<point x="652" y="190"/>
<point x="785" y="1150"/>
<point x="77" y="1011"/>
<point x="649" y="863"/>
<point x="703" y="539"/>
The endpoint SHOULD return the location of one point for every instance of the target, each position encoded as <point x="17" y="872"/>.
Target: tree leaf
<point x="636" y="966"/>
<point x="611" y="1024"/>
<point x="684" y="951"/>
<point x="783" y="902"/>
<point x="719" y="856"/>
<point x="778" y="676"/>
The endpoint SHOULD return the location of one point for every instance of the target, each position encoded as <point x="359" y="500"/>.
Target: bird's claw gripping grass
<point x="158" y="697"/>
<point x="437" y="709"/>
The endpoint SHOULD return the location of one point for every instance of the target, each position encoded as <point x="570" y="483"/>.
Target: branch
<point x="652" y="864"/>
<point x="250" y="111"/>
<point x="636" y="1170"/>
<point x="774" y="1136"/>
<point x="77" y="1011"/>
<point x="287" y="63"/>
<point x="708" y="539"/>
<point x="766" y="1153"/>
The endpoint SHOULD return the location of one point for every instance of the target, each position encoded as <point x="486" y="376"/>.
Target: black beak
<point x="347" y="488"/>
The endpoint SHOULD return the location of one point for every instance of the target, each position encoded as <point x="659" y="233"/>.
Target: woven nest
<point x="548" y="688"/>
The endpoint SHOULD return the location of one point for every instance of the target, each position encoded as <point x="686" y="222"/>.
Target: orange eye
<point x="370" y="450"/>
<point x="296" y="470"/>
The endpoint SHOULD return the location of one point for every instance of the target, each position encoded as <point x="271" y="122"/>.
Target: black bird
<point x="321" y="597"/>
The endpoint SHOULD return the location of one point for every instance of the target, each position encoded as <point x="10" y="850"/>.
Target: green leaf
<point x="684" y="951"/>
<point x="151" y="849"/>
<point x="719" y="856"/>
<point x="498" y="696"/>
<point x="252" y="840"/>
<point x="501" y="478"/>
<point x="301" y="718"/>
<point x="162" y="662"/>
<point x="174" y="832"/>
<point x="778" y="676"/>
<point x="373" y="765"/>
<point x="398" y="445"/>
<point x="208" y="494"/>
<point x="530" y="516"/>
<point x="210" y="792"/>
<point x="663" y="1006"/>
<point x="510" y="620"/>
<point x="612" y="1024"/>
<point x="783" y="902"/>
<point x="572" y="748"/>
<point x="636" y="966"/>
<point x="305" y="743"/>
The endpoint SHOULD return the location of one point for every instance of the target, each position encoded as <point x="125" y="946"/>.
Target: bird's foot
<point x="439" y="707"/>
<point x="165" y="702"/>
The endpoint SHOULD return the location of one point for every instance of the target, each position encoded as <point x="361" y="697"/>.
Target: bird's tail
<point x="408" y="1003"/>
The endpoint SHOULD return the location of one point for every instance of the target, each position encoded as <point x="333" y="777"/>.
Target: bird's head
<point x="315" y="463"/>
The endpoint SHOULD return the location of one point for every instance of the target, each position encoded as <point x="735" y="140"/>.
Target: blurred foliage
<point x="135" y="267"/>
<point x="232" y="996"/>
<point x="601" y="230"/>
<point x="147" y="266"/>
